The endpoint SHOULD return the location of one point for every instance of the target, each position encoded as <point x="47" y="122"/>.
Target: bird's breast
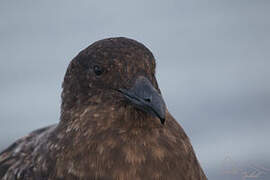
<point x="131" y="153"/>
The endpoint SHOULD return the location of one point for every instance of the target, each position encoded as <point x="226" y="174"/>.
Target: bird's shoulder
<point x="184" y="153"/>
<point x="19" y="159"/>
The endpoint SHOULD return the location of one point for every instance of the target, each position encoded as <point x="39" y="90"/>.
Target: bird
<point x="114" y="124"/>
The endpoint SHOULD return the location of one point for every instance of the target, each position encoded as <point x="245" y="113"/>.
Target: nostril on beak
<point x="148" y="99"/>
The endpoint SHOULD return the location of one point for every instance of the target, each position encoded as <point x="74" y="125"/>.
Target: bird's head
<point x="117" y="69"/>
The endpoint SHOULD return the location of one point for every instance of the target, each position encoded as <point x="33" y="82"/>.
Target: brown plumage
<point x="114" y="124"/>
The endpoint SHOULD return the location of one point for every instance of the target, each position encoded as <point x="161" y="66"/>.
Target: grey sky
<point x="212" y="66"/>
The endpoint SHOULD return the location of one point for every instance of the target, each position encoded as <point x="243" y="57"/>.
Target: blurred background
<point x="213" y="61"/>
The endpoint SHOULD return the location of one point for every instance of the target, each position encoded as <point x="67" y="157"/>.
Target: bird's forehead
<point x="120" y="51"/>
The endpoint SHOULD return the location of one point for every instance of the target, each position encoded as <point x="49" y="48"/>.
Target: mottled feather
<point x="102" y="135"/>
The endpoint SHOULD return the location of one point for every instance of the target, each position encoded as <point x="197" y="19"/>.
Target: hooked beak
<point x="145" y="97"/>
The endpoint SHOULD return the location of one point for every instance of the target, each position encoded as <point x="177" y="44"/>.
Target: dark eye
<point x="98" y="70"/>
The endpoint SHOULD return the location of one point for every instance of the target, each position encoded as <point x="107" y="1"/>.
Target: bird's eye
<point x="98" y="70"/>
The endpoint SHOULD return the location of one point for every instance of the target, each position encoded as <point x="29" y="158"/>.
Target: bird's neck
<point x="107" y="116"/>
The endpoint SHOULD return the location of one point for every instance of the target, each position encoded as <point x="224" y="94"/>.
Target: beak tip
<point x="162" y="120"/>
